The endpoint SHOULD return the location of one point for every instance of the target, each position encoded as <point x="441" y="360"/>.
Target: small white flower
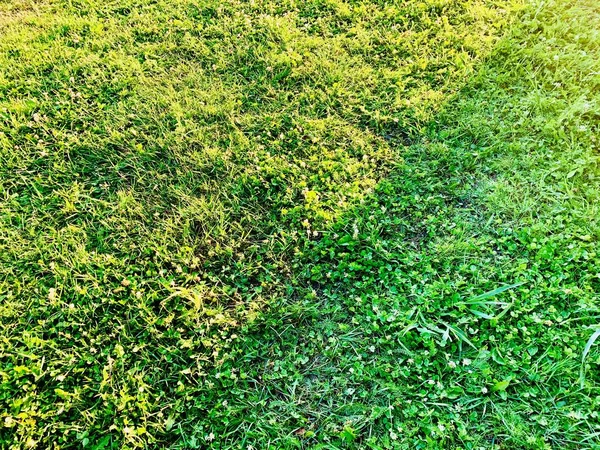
<point x="451" y="364"/>
<point x="484" y="390"/>
<point x="355" y="231"/>
<point x="9" y="422"/>
<point x="466" y="362"/>
<point x="210" y="437"/>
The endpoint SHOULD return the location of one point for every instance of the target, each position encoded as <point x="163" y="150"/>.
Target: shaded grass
<point x="249" y="224"/>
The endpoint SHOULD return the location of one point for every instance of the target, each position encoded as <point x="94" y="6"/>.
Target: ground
<point x="279" y="224"/>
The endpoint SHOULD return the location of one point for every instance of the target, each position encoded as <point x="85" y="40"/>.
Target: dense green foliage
<point x="279" y="224"/>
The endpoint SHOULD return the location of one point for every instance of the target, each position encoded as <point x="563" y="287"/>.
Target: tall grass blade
<point x="492" y="293"/>
<point x="586" y="350"/>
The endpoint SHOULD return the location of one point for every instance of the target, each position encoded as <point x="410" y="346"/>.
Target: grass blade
<point x="586" y="350"/>
<point x="492" y="293"/>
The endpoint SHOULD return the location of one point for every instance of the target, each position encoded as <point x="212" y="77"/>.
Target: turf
<point x="279" y="224"/>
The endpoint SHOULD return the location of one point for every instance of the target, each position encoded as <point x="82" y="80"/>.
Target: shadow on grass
<point x="374" y="347"/>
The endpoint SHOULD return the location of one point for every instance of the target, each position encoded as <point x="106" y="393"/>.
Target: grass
<point x="319" y="224"/>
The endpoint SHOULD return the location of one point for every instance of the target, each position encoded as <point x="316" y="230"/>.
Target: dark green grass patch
<point x="274" y="224"/>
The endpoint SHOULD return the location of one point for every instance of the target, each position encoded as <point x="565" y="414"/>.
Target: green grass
<point x="281" y="224"/>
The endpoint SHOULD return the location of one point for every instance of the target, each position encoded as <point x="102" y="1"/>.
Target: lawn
<point x="285" y="224"/>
